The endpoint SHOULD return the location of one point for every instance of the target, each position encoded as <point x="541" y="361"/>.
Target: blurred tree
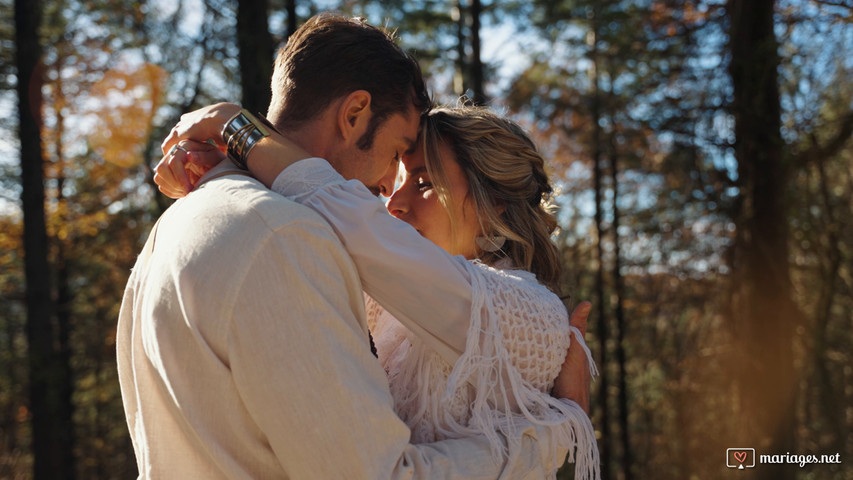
<point x="256" y="48"/>
<point x="49" y="403"/>
<point x="107" y="106"/>
<point x="433" y="29"/>
<point x="154" y="68"/>
<point x="771" y="318"/>
<point x="14" y="433"/>
<point x="641" y="87"/>
<point x="460" y="79"/>
<point x="14" y="412"/>
<point x="817" y="97"/>
<point x="477" y="81"/>
<point x="600" y="109"/>
<point x="765" y="309"/>
<point x="292" y="19"/>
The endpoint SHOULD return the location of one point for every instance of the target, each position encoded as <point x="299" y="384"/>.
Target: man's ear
<point x="354" y="115"/>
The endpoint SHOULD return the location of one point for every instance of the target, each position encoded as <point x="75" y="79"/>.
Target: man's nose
<point x="397" y="205"/>
<point x="386" y="183"/>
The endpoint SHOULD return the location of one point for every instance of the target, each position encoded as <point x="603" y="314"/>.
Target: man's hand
<point x="573" y="381"/>
<point x="201" y="125"/>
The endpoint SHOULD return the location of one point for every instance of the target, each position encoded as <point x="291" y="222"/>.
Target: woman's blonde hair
<point x="507" y="182"/>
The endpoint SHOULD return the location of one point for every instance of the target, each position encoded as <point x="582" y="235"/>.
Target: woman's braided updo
<point x="507" y="181"/>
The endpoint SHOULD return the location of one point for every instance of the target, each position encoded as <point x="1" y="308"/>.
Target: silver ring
<point x="177" y="147"/>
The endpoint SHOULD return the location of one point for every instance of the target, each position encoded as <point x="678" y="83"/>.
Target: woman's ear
<point x="499" y="205"/>
<point x="354" y="115"/>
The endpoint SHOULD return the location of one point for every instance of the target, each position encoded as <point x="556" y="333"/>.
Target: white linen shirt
<point x="243" y="353"/>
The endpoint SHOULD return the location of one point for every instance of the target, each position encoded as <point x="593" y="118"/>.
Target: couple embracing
<point x="244" y="338"/>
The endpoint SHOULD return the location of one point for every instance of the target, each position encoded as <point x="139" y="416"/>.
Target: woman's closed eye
<point x="424" y="185"/>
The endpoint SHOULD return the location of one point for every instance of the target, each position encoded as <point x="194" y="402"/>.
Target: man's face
<point x="376" y="166"/>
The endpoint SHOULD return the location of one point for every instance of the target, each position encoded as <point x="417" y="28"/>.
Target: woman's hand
<point x="183" y="165"/>
<point x="201" y="125"/>
<point x="266" y="159"/>
<point x="573" y="381"/>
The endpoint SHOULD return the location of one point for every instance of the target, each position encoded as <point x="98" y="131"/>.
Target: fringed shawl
<point x="517" y="341"/>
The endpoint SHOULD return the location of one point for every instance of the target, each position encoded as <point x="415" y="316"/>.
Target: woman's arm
<point x="424" y="287"/>
<point x="420" y="284"/>
<point x="266" y="160"/>
<point x="427" y="289"/>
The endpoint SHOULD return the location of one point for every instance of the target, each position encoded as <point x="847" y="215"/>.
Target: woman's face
<point x="416" y="202"/>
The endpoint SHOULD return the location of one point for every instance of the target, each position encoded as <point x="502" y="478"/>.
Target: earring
<point x="491" y="243"/>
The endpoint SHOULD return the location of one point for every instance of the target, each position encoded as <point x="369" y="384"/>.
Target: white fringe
<point x="486" y="365"/>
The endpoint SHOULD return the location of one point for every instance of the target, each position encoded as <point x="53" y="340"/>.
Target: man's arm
<point x="573" y="381"/>
<point x="302" y="364"/>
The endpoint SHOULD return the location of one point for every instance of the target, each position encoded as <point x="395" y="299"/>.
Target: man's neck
<point x="312" y="137"/>
<point x="319" y="137"/>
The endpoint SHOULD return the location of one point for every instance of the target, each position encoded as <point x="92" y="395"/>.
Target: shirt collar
<point x="225" y="167"/>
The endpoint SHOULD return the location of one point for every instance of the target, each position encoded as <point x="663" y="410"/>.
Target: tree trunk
<point x="52" y="453"/>
<point x="476" y="63"/>
<point x="601" y="326"/>
<point x="64" y="297"/>
<point x="292" y="20"/>
<point x="460" y="77"/>
<point x="763" y="306"/>
<point x="619" y="293"/>
<point x="829" y="407"/>
<point x="256" y="53"/>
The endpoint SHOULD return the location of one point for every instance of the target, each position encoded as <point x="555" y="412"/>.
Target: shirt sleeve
<point x="424" y="287"/>
<point x="304" y="370"/>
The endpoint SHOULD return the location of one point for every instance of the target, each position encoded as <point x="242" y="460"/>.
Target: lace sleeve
<point x="374" y="311"/>
<point x="386" y="331"/>
<point x="517" y="342"/>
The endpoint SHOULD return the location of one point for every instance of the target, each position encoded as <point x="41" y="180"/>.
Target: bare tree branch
<point x="831" y="147"/>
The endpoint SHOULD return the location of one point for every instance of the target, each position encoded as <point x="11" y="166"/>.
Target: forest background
<point x="704" y="161"/>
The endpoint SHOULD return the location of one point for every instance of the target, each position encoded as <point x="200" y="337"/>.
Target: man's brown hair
<point x="331" y="56"/>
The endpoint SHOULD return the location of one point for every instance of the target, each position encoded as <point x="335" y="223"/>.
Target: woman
<point x="477" y="188"/>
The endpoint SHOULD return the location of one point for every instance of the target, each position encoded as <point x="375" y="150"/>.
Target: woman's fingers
<point x="184" y="164"/>
<point x="178" y="168"/>
<point x="201" y="124"/>
<point x="167" y="185"/>
<point x="170" y="175"/>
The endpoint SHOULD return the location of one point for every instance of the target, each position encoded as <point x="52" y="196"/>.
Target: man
<point x="242" y="341"/>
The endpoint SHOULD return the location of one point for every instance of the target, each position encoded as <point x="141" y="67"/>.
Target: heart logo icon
<point x="740" y="456"/>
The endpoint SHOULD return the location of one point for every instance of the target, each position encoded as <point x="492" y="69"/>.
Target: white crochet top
<point x="464" y="373"/>
<point x="517" y="342"/>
